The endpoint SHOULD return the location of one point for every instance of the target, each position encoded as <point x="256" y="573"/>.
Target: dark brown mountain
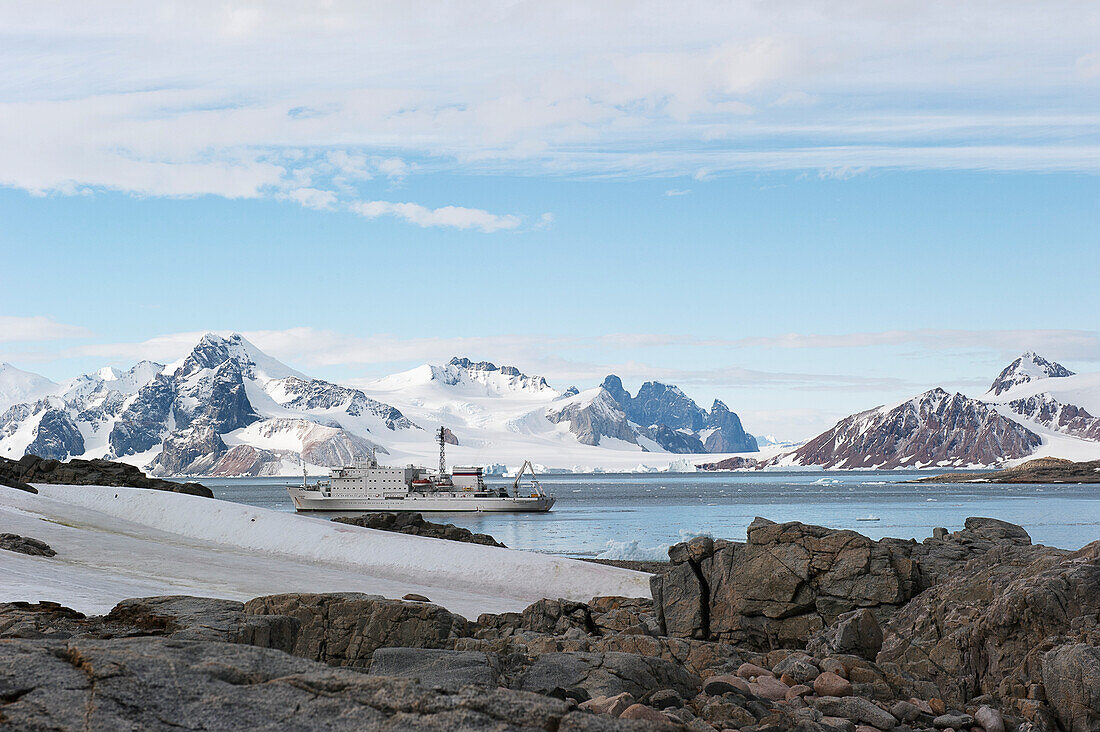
<point x="933" y="429"/>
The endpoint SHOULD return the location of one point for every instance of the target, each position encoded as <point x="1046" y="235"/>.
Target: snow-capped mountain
<point x="765" y="441"/>
<point x="227" y="408"/>
<point x="1034" y="408"/>
<point x="1028" y="367"/>
<point x="932" y="429"/>
<point x="677" y="423"/>
<point x="18" y="386"/>
<point x="192" y="416"/>
<point x="594" y="417"/>
<point x="1049" y="398"/>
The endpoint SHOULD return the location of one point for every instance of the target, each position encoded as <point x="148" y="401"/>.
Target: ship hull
<point x="313" y="502"/>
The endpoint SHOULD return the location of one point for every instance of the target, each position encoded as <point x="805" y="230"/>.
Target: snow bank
<point x="123" y="542"/>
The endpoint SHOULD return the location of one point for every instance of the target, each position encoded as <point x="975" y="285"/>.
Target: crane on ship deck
<point x="527" y="467"/>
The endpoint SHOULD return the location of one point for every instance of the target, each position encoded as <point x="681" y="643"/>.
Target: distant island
<point x="1041" y="470"/>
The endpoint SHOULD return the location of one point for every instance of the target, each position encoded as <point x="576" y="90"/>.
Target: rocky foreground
<point x="1041" y="470"/>
<point x="33" y="469"/>
<point x="800" y="628"/>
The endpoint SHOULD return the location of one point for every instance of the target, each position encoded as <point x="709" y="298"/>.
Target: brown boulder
<point x="769" y="687"/>
<point x="718" y="685"/>
<point x="345" y="628"/>
<point x="830" y="684"/>
<point x="1071" y="676"/>
<point x="984" y="630"/>
<point x="26" y="545"/>
<point x="751" y="671"/>
<point x="790" y="581"/>
<point x="642" y="712"/>
<point x="857" y="633"/>
<point x="613" y="705"/>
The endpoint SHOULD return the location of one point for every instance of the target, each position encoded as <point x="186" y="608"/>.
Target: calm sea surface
<point x="637" y="516"/>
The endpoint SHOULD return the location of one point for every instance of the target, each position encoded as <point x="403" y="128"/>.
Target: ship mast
<point x="442" y="451"/>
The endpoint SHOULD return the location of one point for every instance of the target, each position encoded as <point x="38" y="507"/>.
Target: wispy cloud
<point x="312" y="198"/>
<point x="276" y="101"/>
<point x="672" y="192"/>
<point x="35" y="328"/>
<point x="312" y="347"/>
<point x="308" y="348"/>
<point x="454" y="217"/>
<point x="1083" y="345"/>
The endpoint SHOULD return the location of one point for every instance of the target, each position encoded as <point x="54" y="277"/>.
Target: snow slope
<point x="18" y="386"/>
<point x="114" y="543"/>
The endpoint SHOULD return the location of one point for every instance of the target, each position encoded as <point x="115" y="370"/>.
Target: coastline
<point x="800" y="629"/>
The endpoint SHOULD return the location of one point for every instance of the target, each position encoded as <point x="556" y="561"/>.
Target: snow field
<point x="114" y="543"/>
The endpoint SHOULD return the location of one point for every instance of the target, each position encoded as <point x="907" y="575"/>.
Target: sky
<point x="805" y="209"/>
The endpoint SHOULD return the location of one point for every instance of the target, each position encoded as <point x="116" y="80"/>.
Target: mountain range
<point x="227" y="408"/>
<point x="1034" y="408"/>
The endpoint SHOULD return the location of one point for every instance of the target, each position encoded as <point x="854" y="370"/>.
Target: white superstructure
<point x="368" y="486"/>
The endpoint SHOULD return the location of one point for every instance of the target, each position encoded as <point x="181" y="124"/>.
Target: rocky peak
<point x="476" y="368"/>
<point x="670" y="415"/>
<point x="213" y="350"/>
<point x="593" y="415"/>
<point x="728" y="435"/>
<point x="931" y="429"/>
<point x="676" y="441"/>
<point x="1028" y="367"/>
<point x="88" y="388"/>
<point x="1045" y="409"/>
<point x="658" y="403"/>
<point x="613" y="385"/>
<point x="210" y="352"/>
<point x="465" y="363"/>
<point x="56" y="435"/>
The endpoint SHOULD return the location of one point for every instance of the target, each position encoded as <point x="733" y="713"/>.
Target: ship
<point x="368" y="486"/>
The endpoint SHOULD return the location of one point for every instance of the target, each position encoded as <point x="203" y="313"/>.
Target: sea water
<point x="638" y="515"/>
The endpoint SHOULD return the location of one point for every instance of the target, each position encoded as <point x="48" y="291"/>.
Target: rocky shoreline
<point x="33" y="469"/>
<point x="799" y="628"/>
<point x="1041" y="470"/>
<point x="417" y="525"/>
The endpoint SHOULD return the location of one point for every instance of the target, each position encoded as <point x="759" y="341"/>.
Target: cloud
<point x="795" y="99"/>
<point x="1081" y="345"/>
<point x="163" y="348"/>
<point x="677" y="192"/>
<point x="454" y="217"/>
<point x="349" y="165"/>
<point x="1088" y="66"/>
<point x="312" y="198"/>
<point x="309" y="348"/>
<point x="38" y="328"/>
<point x="266" y="100"/>
<point x="394" y="168"/>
